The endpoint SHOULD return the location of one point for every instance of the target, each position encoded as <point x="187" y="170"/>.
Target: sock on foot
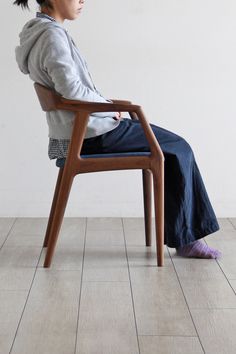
<point x="198" y="249"/>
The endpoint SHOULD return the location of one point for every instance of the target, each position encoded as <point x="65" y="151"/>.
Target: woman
<point x="48" y="54"/>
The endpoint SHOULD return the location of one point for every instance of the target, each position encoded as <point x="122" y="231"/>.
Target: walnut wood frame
<point x="152" y="166"/>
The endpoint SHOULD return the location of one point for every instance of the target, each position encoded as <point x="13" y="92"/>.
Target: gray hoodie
<point x="48" y="54"/>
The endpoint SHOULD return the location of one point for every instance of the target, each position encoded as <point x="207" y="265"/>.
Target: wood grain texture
<point x="11" y="307"/>
<point x="5" y="226"/>
<point x="70" y="246"/>
<point x="106" y="320"/>
<point x="98" y="224"/>
<point x="203" y="283"/>
<point x="72" y="232"/>
<point x="134" y="223"/>
<point x="27" y="232"/>
<point x="29" y="226"/>
<point x="21" y="239"/>
<point x="233" y="221"/>
<point x="228" y="260"/>
<point x="169" y="345"/>
<point x="49" y="322"/>
<point x="225" y="224"/>
<point x="16" y="278"/>
<point x="216" y="328"/>
<point x="209" y="293"/>
<point x="19" y="256"/>
<point x="106" y="315"/>
<point x="104" y="238"/>
<point x="159" y="304"/>
<point x="65" y="258"/>
<point x="135" y="231"/>
<point x="196" y="268"/>
<point x="222" y="235"/>
<point x="105" y="264"/>
<point x="233" y="284"/>
<point x="142" y="256"/>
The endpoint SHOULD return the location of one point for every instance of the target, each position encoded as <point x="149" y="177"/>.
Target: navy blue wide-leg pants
<point x="188" y="212"/>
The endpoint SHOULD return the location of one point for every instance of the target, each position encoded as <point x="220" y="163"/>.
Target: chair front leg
<point x="49" y="225"/>
<point x="147" y="202"/>
<point x="60" y="206"/>
<point x="158" y="189"/>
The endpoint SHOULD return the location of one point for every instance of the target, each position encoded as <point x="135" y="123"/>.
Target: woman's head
<point x="59" y="9"/>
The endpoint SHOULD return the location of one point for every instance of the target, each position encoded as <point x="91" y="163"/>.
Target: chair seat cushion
<point x="60" y="162"/>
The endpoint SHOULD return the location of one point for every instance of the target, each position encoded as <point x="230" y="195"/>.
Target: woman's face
<point x="66" y="9"/>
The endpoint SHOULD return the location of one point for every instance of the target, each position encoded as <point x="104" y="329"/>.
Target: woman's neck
<point x="57" y="17"/>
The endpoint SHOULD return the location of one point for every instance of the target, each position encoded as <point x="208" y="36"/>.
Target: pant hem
<point x="189" y="235"/>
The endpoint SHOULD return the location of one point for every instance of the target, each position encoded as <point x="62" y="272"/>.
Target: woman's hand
<point x="118" y="115"/>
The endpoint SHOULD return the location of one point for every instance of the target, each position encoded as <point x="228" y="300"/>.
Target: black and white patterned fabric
<point x="57" y="148"/>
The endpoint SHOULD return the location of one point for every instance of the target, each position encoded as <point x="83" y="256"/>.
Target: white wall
<point x="175" y="58"/>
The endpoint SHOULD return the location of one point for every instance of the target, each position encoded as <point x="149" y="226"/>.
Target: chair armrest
<point x="82" y="116"/>
<point x="51" y="101"/>
<point x="84" y="108"/>
<point x="121" y="101"/>
<point x="91" y="107"/>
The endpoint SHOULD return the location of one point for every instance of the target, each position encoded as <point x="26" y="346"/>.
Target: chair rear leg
<point x="158" y="187"/>
<point x="147" y="201"/>
<point x="49" y="225"/>
<point x="60" y="206"/>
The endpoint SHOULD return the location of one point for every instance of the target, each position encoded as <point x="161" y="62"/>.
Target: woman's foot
<point x="198" y="249"/>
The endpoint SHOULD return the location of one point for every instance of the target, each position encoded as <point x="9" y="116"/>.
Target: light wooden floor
<point x="105" y="295"/>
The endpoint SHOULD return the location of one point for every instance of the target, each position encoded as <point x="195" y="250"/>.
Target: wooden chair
<point x="151" y="163"/>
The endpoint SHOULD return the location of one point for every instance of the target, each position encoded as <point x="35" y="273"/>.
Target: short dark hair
<point x="24" y="3"/>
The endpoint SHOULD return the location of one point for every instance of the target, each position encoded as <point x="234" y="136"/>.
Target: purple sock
<point x="198" y="249"/>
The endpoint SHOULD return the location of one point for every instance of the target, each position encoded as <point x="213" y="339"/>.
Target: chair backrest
<point x="48" y="99"/>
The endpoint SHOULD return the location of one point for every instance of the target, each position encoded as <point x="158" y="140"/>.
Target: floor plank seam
<point x="186" y="302"/>
<point x="26" y="301"/>
<point x="8" y="233"/>
<point x="81" y="284"/>
<point x="228" y="280"/>
<point x="13" y="290"/>
<point x="167" y="335"/>
<point x="231" y="223"/>
<point x="132" y="298"/>
<point x="212" y="308"/>
<point x="105" y="281"/>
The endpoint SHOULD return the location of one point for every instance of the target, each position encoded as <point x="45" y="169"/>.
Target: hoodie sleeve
<point x="57" y="61"/>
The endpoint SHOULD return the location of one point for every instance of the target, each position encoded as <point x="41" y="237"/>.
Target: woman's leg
<point x="188" y="213"/>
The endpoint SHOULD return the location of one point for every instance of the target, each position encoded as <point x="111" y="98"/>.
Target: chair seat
<point x="60" y="162"/>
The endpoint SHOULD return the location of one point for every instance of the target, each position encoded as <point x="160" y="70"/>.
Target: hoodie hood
<point x="29" y="35"/>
